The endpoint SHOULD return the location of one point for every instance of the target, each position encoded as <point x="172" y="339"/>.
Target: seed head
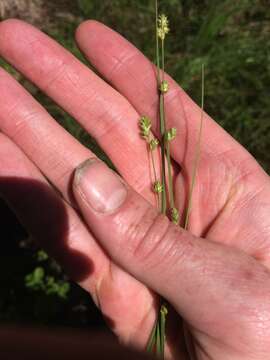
<point x="170" y="134"/>
<point x="174" y="215"/>
<point x="153" y="144"/>
<point x="164" y="310"/>
<point x="163" y="26"/>
<point x="145" y="126"/>
<point x="157" y="187"/>
<point x="164" y="87"/>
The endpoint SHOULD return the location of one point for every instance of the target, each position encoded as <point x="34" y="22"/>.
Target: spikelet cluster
<point x="163" y="26"/>
<point x="174" y="215"/>
<point x="145" y="126"/>
<point x="164" y="87"/>
<point x="170" y="134"/>
<point x="157" y="187"/>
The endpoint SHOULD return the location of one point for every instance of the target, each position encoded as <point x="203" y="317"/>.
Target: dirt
<point x="41" y="13"/>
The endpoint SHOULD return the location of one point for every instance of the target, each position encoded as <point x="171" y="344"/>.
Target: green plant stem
<point x="163" y="161"/>
<point x="157" y="46"/>
<point x="163" y="314"/>
<point x="167" y="144"/>
<point x="163" y="59"/>
<point x="154" y="168"/>
<point x="157" y="338"/>
<point x="153" y="165"/>
<point x="193" y="180"/>
<point x="162" y="123"/>
<point x="152" y="339"/>
<point x="197" y="155"/>
<point x="170" y="181"/>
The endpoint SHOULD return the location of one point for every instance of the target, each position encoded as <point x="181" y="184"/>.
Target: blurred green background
<point x="231" y="37"/>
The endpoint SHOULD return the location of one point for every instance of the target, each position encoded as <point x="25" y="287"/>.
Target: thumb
<point x="196" y="276"/>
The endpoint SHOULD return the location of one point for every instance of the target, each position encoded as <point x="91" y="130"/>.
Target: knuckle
<point x="156" y="242"/>
<point x="150" y="242"/>
<point x="148" y="239"/>
<point x="126" y="58"/>
<point x="54" y="76"/>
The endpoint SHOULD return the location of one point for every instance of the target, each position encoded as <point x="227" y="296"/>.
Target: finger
<point x="59" y="230"/>
<point x="53" y="150"/>
<point x="206" y="282"/>
<point x="130" y="72"/>
<point x="101" y="110"/>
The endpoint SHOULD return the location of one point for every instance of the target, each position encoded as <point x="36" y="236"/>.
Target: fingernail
<point x="99" y="186"/>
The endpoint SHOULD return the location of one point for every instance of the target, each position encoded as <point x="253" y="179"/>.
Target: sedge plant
<point x="163" y="185"/>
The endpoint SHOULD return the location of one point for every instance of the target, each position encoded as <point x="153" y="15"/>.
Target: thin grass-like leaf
<point x="197" y="156"/>
<point x="163" y="314"/>
<point x="152" y="340"/>
<point x="158" y="339"/>
<point x="163" y="161"/>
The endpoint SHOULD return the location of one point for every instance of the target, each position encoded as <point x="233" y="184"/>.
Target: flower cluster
<point x="174" y="215"/>
<point x="163" y="26"/>
<point x="158" y="187"/>
<point x="145" y="126"/>
<point x="164" y="87"/>
<point x="170" y="134"/>
<point x="153" y="144"/>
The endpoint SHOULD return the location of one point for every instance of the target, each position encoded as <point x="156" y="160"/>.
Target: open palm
<point x="230" y="200"/>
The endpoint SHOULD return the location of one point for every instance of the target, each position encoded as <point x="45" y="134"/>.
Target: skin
<point x="215" y="275"/>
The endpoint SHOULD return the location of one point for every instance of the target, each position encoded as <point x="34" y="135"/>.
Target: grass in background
<point x="230" y="37"/>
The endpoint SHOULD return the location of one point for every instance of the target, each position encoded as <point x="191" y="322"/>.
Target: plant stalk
<point x="162" y="121"/>
<point x="166" y="144"/>
<point x="197" y="155"/>
<point x="156" y="342"/>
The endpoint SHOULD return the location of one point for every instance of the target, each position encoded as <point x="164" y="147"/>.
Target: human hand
<point x="217" y="278"/>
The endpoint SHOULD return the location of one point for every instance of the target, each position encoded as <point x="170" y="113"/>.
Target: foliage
<point x="38" y="280"/>
<point x="33" y="287"/>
